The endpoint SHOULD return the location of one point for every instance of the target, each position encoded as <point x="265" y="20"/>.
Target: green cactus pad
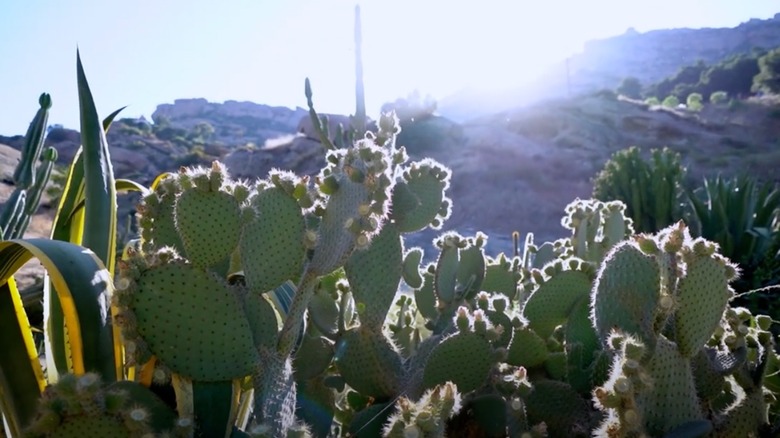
<point x="446" y="276"/>
<point x="313" y="356"/>
<point x="374" y="275"/>
<point x="324" y="311"/>
<point x="82" y="407"/>
<point x="425" y="298"/>
<point x="419" y="199"/>
<point x="527" y="349"/>
<point x="157" y="210"/>
<point x="671" y="401"/>
<point x="263" y="320"/>
<point x="556" y="365"/>
<point x="560" y="407"/>
<point x="183" y="313"/>
<point x="551" y="302"/>
<point x="471" y="267"/>
<point x="369" y="363"/>
<point x="501" y="276"/>
<point x="272" y="244"/>
<point x="92" y="427"/>
<point x="465" y="359"/>
<point x="411" y="272"/>
<point x="336" y="240"/>
<point x="702" y="298"/>
<point x="209" y="224"/>
<point x="626" y="293"/>
<point x="749" y="415"/>
<point x="579" y="329"/>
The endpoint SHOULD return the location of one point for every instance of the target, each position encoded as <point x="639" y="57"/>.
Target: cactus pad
<point x="157" y="217"/>
<point x="559" y="406"/>
<point x="411" y="267"/>
<point x="419" y="199"/>
<point x="369" y="363"/>
<point x="209" y="224"/>
<point x="374" y="275"/>
<point x="702" y="297"/>
<point x="465" y="359"/>
<point x="263" y="320"/>
<point x="527" y="349"/>
<point x="671" y="401"/>
<point x="551" y="302"/>
<point x="272" y="246"/>
<point x="627" y="293"/>
<point x="193" y="322"/>
<point x="502" y="276"/>
<point x="81" y="407"/>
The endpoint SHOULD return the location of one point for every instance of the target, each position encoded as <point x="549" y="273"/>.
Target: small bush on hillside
<point x="671" y="102"/>
<point x="694" y="102"/>
<point x="719" y="97"/>
<point x="652" y="101"/>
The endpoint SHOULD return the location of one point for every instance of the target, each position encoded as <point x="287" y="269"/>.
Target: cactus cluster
<point x="295" y="303"/>
<point x="291" y="307"/>
<point x="30" y="176"/>
<point x="682" y="358"/>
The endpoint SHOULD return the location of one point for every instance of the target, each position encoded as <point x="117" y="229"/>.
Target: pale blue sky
<point x="146" y="52"/>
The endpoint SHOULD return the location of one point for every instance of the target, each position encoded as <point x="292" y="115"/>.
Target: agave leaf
<point x="82" y="286"/>
<point x="21" y="377"/>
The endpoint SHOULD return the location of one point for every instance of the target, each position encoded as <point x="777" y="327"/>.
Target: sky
<point x="148" y="52"/>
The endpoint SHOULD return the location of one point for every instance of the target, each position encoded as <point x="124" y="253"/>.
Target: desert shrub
<point x="768" y="77"/>
<point x="694" y="101"/>
<point x="652" y="190"/>
<point x="719" y="97"/>
<point x="671" y="102"/>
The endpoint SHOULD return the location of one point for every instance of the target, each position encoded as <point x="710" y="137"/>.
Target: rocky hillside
<point x="649" y="56"/>
<point x="515" y="170"/>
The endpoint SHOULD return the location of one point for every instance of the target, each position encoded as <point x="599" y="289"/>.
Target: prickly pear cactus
<point x="675" y="341"/>
<point x="84" y="407"/>
<point x="301" y="289"/>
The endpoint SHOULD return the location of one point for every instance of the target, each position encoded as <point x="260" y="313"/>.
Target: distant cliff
<point x="655" y="55"/>
<point x="649" y="56"/>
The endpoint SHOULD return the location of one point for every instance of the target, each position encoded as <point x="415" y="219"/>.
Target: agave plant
<point x="79" y="261"/>
<point x="741" y="215"/>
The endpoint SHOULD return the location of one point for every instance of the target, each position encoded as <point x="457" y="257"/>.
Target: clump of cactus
<point x="30" y="176"/>
<point x="274" y="308"/>
<point x="682" y="358"/>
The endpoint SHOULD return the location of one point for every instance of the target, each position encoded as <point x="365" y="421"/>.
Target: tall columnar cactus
<point x="30" y="176"/>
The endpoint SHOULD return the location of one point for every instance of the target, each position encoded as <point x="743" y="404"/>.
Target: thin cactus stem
<point x="360" y="111"/>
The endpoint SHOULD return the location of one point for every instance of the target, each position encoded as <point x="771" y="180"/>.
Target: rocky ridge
<point x="648" y="56"/>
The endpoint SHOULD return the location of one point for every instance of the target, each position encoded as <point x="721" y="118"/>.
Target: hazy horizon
<point x="150" y="53"/>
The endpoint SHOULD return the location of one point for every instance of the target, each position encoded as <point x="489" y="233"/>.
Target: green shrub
<point x="694" y="102"/>
<point x="719" y="97"/>
<point x="671" y="102"/>
<point x="652" y="101"/>
<point x="651" y="189"/>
